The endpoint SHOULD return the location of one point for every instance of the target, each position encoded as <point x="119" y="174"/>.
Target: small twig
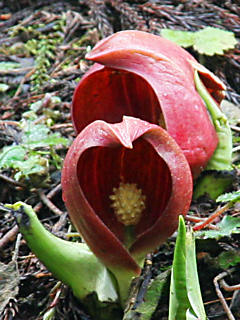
<point x="147" y="274"/>
<point x="139" y="287"/>
<point x="55" y="296"/>
<point x="236" y="149"/>
<point x="60" y="223"/>
<point x="16" y="71"/>
<point x="9" y="236"/>
<point x="215" y="301"/>
<point x="226" y="287"/>
<point x="220" y="295"/>
<point x="50" y="195"/>
<point x="198" y="219"/>
<point x="23" y="81"/>
<point x="210" y="219"/>
<point x="11" y="181"/>
<point x="235" y="128"/>
<point x="49" y="203"/>
<point x="9" y="122"/>
<point x="72" y="235"/>
<point x="17" y="245"/>
<point x="61" y="125"/>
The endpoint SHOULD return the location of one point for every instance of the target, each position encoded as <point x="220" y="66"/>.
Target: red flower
<point x="148" y="77"/>
<point x="124" y="186"/>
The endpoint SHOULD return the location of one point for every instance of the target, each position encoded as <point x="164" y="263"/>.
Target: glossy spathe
<point x="132" y="152"/>
<point x="142" y="75"/>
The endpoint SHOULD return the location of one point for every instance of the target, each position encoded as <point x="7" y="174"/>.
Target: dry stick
<point x="215" y="301"/>
<point x="220" y="295"/>
<point x="235" y="128"/>
<point x="31" y="72"/>
<point x="49" y="204"/>
<point x="12" y="181"/>
<point x="236" y="149"/>
<point x="9" y="122"/>
<point x="139" y="286"/>
<point x="50" y="195"/>
<point x="61" y="125"/>
<point x="226" y="287"/>
<point x="10" y="235"/>
<point x="210" y="219"/>
<point x="198" y="219"/>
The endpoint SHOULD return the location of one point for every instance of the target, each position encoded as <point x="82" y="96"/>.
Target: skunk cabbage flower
<point x="146" y="76"/>
<point x="124" y="186"/>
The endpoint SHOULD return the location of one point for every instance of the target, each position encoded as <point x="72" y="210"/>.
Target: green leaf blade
<point x="154" y="292"/>
<point x="228" y="259"/>
<point x="184" y="39"/>
<point x="229" y="197"/>
<point x="10" y="155"/>
<point x="212" y="41"/>
<point x="179" y="302"/>
<point x="185" y="294"/>
<point x="192" y="283"/>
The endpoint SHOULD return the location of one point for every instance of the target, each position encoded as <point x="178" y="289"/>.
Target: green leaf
<point x="28" y="158"/>
<point x="229" y="197"/>
<point x="38" y="135"/>
<point x="228" y="259"/>
<point x="154" y="293"/>
<point x="229" y="225"/>
<point x="192" y="282"/>
<point x="212" y="41"/>
<point x="208" y="41"/>
<point x="10" y="155"/>
<point x="34" y="132"/>
<point x="33" y="165"/>
<point x="213" y="183"/>
<point x="51" y="140"/>
<point x="185" y="295"/>
<point x="184" y="39"/>
<point x="179" y="303"/>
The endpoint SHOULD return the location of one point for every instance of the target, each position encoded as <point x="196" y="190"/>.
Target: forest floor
<point x="42" y="49"/>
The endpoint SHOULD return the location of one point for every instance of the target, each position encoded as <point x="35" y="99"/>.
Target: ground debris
<point x="68" y="30"/>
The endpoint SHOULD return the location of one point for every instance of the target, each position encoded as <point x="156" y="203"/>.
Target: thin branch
<point x="49" y="203"/>
<point x="211" y="218"/>
<point x="12" y="181"/>
<point x="220" y="295"/>
<point x="198" y="219"/>
<point x="50" y="195"/>
<point x="226" y="287"/>
<point x="9" y="236"/>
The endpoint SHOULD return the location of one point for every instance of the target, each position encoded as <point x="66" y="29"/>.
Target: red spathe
<point x="146" y="76"/>
<point x="134" y="151"/>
